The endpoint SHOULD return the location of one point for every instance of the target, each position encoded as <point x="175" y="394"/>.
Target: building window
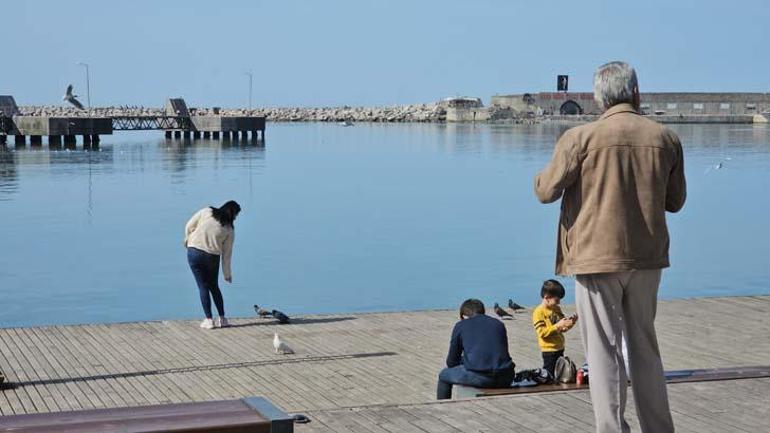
<point x="671" y="106"/>
<point x="697" y="106"/>
<point x="724" y="106"/>
<point x="751" y="107"/>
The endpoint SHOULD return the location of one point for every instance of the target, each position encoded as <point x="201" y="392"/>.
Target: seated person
<point x="550" y="324"/>
<point x="478" y="352"/>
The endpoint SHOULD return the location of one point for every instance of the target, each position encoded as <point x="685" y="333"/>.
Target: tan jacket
<point x="617" y="177"/>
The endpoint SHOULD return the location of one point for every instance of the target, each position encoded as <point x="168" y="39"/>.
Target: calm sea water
<point x="371" y="217"/>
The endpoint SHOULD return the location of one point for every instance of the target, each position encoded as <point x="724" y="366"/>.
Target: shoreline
<point x="343" y="313"/>
<point x="435" y="112"/>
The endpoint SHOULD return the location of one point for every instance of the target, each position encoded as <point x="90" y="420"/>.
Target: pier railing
<point x="150" y="123"/>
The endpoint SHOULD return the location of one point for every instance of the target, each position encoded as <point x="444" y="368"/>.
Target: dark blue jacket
<point x="480" y="344"/>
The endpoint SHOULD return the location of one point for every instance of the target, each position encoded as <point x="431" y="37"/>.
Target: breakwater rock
<point x="434" y="112"/>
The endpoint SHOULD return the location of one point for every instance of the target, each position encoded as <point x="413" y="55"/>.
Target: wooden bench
<point x="247" y="415"/>
<point x="673" y="376"/>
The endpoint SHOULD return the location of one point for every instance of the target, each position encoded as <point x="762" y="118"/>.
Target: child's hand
<point x="563" y="325"/>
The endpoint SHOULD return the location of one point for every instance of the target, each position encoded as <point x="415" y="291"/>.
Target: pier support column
<point x="177" y="134"/>
<point x="206" y="134"/>
<point x="86" y="140"/>
<point x="95" y="139"/>
<point x="36" y="140"/>
<point x="168" y="135"/>
<point x="3" y="140"/>
<point x="54" y="140"/>
<point x="245" y="135"/>
<point x="215" y="135"/>
<point x="20" y="140"/>
<point x="225" y="135"/>
<point x="186" y="135"/>
<point x="196" y="135"/>
<point x="69" y="140"/>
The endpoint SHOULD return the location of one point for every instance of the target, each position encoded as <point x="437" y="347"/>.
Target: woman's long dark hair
<point x="227" y="213"/>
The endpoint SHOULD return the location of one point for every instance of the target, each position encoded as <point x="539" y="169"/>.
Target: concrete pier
<point x="177" y="122"/>
<point x="3" y="139"/>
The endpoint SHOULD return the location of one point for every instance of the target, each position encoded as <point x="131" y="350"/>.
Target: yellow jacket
<point x="548" y="337"/>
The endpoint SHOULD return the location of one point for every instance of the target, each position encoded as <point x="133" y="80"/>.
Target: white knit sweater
<point x="205" y="233"/>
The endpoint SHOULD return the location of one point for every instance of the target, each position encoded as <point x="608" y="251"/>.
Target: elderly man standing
<point x="617" y="177"/>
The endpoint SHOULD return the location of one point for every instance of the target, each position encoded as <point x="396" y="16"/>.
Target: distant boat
<point x="346" y="123"/>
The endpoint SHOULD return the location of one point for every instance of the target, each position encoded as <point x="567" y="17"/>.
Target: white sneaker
<point x="222" y="322"/>
<point x="207" y="324"/>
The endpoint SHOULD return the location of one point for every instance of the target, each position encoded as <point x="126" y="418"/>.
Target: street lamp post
<point x="251" y="79"/>
<point x="88" y="83"/>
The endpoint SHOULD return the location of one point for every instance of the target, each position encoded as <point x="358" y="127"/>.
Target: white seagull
<point x="69" y="97"/>
<point x="280" y="347"/>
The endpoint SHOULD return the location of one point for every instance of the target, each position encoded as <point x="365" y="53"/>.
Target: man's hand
<point x="229" y="279"/>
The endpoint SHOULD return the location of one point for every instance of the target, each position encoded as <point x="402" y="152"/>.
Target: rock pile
<point x="434" y="112"/>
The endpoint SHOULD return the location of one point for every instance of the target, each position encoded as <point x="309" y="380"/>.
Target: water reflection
<point x="8" y="174"/>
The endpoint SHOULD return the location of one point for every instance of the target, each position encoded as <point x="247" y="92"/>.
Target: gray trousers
<point x="608" y="306"/>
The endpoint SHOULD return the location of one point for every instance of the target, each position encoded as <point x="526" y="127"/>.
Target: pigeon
<point x="69" y="97"/>
<point x="261" y="312"/>
<point x="502" y="313"/>
<point x="514" y="306"/>
<point x="282" y="318"/>
<point x="280" y="347"/>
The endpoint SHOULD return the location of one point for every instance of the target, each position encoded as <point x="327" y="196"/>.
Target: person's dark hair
<point x="471" y="307"/>
<point x="552" y="288"/>
<point x="227" y="213"/>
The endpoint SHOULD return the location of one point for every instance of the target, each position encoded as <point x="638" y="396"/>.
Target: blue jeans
<point x="460" y="376"/>
<point x="205" y="269"/>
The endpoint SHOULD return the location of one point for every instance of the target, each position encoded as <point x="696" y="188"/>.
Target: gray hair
<point x="615" y="83"/>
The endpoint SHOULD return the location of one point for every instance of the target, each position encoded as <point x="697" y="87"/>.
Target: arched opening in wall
<point x="570" y="107"/>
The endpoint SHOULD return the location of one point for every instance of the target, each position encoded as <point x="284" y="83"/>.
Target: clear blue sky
<point x="365" y="52"/>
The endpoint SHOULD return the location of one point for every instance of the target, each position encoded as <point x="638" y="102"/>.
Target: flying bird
<point x="514" y="306"/>
<point x="69" y="97"/>
<point x="261" y="312"/>
<point x="502" y="313"/>
<point x="718" y="166"/>
<point x="280" y="347"/>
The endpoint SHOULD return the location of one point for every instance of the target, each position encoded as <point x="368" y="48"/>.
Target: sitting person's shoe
<point x="222" y="322"/>
<point x="207" y="324"/>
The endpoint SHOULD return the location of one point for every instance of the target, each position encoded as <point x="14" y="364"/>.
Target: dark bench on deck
<point x="674" y="376"/>
<point x="247" y="415"/>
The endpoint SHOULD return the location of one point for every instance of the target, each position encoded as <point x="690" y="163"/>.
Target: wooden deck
<point x="379" y="363"/>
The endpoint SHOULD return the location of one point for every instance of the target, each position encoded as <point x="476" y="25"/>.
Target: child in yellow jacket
<point x="550" y="323"/>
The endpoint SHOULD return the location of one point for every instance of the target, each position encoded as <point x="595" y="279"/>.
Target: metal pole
<point x="88" y="83"/>
<point x="251" y="79"/>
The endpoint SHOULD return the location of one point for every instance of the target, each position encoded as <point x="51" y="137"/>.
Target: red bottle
<point x="579" y="378"/>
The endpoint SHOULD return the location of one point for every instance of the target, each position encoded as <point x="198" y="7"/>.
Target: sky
<point x="366" y="52"/>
